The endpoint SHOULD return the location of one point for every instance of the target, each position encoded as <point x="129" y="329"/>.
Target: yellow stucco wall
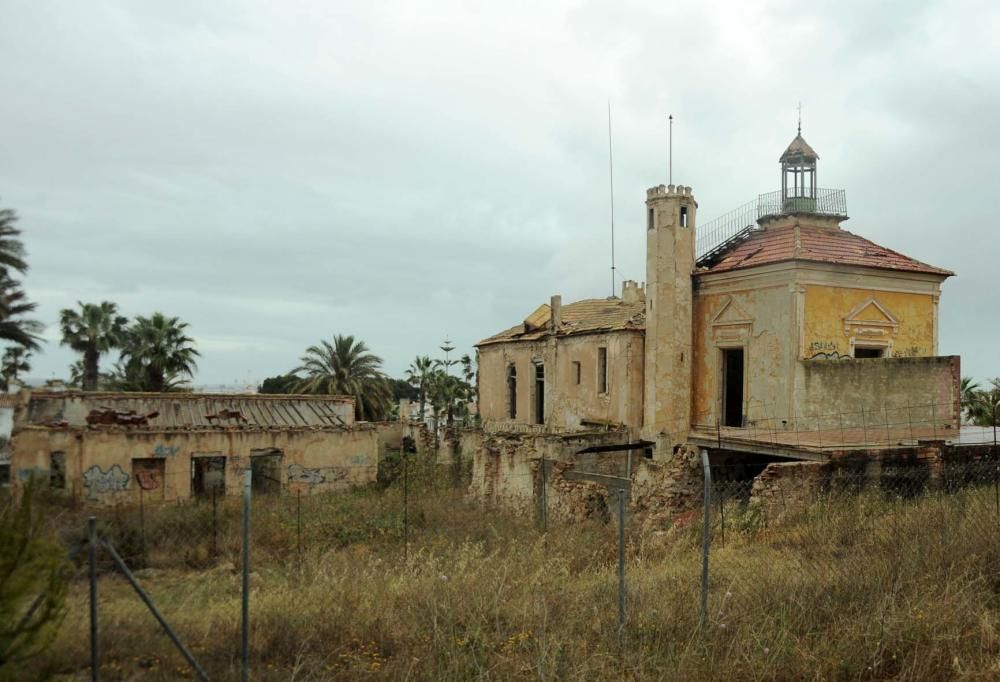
<point x="757" y="319"/>
<point x="824" y="333"/>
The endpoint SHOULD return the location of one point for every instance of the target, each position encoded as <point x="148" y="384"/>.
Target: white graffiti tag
<point x="100" y="482"/>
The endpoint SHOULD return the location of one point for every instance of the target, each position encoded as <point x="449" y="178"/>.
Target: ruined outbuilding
<point x="113" y="447"/>
<point x="769" y="334"/>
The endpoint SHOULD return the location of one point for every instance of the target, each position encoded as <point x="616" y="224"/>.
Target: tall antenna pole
<point x="800" y="118"/>
<point x="670" y="150"/>
<point x="611" y="177"/>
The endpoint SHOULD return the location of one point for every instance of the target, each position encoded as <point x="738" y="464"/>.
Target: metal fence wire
<point x="738" y="552"/>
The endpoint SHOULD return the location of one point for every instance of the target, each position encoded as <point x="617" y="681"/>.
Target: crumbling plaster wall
<point x="99" y="461"/>
<point x="566" y="402"/>
<point x="507" y="472"/>
<point x="860" y="394"/>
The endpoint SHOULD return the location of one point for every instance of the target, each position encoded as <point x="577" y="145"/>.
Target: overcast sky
<point x="275" y="173"/>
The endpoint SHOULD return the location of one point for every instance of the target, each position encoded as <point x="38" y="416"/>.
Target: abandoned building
<point x="110" y="448"/>
<point x="771" y="334"/>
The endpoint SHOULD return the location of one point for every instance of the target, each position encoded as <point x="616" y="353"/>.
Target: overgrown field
<point x="860" y="587"/>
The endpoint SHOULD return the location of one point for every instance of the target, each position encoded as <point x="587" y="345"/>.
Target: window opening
<point x="539" y="393"/>
<point x="512" y="392"/>
<point x="57" y="470"/>
<point x="732" y="387"/>
<point x="684" y="216"/>
<point x="265" y="467"/>
<point x="208" y="475"/>
<point x="602" y="370"/>
<point x="148" y="473"/>
<point x="577" y="372"/>
<point x="649" y="219"/>
<point x="862" y="352"/>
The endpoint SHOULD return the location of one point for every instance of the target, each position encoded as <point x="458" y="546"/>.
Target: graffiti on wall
<point x="99" y="482"/>
<point x="911" y="352"/>
<point x="166" y="450"/>
<point x="822" y="346"/>
<point x="834" y="355"/>
<point x="304" y="475"/>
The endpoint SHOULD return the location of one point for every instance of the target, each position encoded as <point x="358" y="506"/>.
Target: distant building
<point x="110" y="448"/>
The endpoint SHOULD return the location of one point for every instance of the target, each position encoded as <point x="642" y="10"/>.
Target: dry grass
<point x="857" y="588"/>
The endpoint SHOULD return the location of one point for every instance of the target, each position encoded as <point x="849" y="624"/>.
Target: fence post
<point x="705" y="537"/>
<point x="621" y="565"/>
<point x="298" y="524"/>
<point x="545" y="496"/>
<point x="142" y="525"/>
<point x="95" y="674"/>
<point x="406" y="511"/>
<point x="215" y="523"/>
<point x="245" y="639"/>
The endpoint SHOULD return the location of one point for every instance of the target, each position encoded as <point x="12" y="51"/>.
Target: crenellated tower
<point x="670" y="260"/>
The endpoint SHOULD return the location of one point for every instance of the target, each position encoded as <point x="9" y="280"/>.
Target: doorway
<point x="208" y="475"/>
<point x="733" y="364"/>
<point x="265" y="466"/>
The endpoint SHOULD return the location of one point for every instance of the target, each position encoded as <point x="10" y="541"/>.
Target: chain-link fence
<point x="879" y="570"/>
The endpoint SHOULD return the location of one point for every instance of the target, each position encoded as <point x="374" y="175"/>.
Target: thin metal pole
<point x="621" y="564"/>
<point x="95" y="664"/>
<point x="406" y="509"/>
<point x="245" y="640"/>
<point x="142" y="525"/>
<point x="670" y="149"/>
<point x="215" y="523"/>
<point x="996" y="464"/>
<point x="545" y="497"/>
<point x="152" y="609"/>
<point x="611" y="178"/>
<point x="705" y="535"/>
<point x="298" y="523"/>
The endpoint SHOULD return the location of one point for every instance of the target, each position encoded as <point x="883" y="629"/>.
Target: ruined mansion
<point x="772" y="335"/>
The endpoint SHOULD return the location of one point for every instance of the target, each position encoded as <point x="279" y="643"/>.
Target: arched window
<point x="511" y="391"/>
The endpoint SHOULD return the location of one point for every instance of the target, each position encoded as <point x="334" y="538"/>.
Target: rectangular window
<point x="576" y="372"/>
<point x="732" y="387"/>
<point x="602" y="370"/>
<point x="684" y="216"/>
<point x="649" y="219"/>
<point x="862" y="352"/>
<point x="539" y="394"/>
<point x="57" y="470"/>
<point x="265" y="468"/>
<point x="208" y="475"/>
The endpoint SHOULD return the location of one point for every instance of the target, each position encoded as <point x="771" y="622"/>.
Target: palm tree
<point x="157" y="354"/>
<point x="346" y="367"/>
<point x="985" y="409"/>
<point x="14" y="304"/>
<point x="969" y="393"/>
<point x="94" y="329"/>
<point x="417" y="374"/>
<point x="14" y="363"/>
<point x="11" y="249"/>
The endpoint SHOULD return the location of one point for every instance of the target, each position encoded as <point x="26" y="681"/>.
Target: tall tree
<point x="13" y="365"/>
<point x="346" y="367"/>
<point x="417" y="374"/>
<point x="15" y="325"/>
<point x="157" y="354"/>
<point x="93" y="330"/>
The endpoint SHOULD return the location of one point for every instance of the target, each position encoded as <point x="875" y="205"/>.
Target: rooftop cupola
<point x="798" y="176"/>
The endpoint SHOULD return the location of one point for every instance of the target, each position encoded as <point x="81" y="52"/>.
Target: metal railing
<point x="720" y="234"/>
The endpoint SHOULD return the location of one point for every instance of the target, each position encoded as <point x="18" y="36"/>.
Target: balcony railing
<point x="718" y="235"/>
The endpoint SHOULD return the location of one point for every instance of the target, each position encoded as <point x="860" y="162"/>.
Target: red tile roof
<point x="816" y="244"/>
